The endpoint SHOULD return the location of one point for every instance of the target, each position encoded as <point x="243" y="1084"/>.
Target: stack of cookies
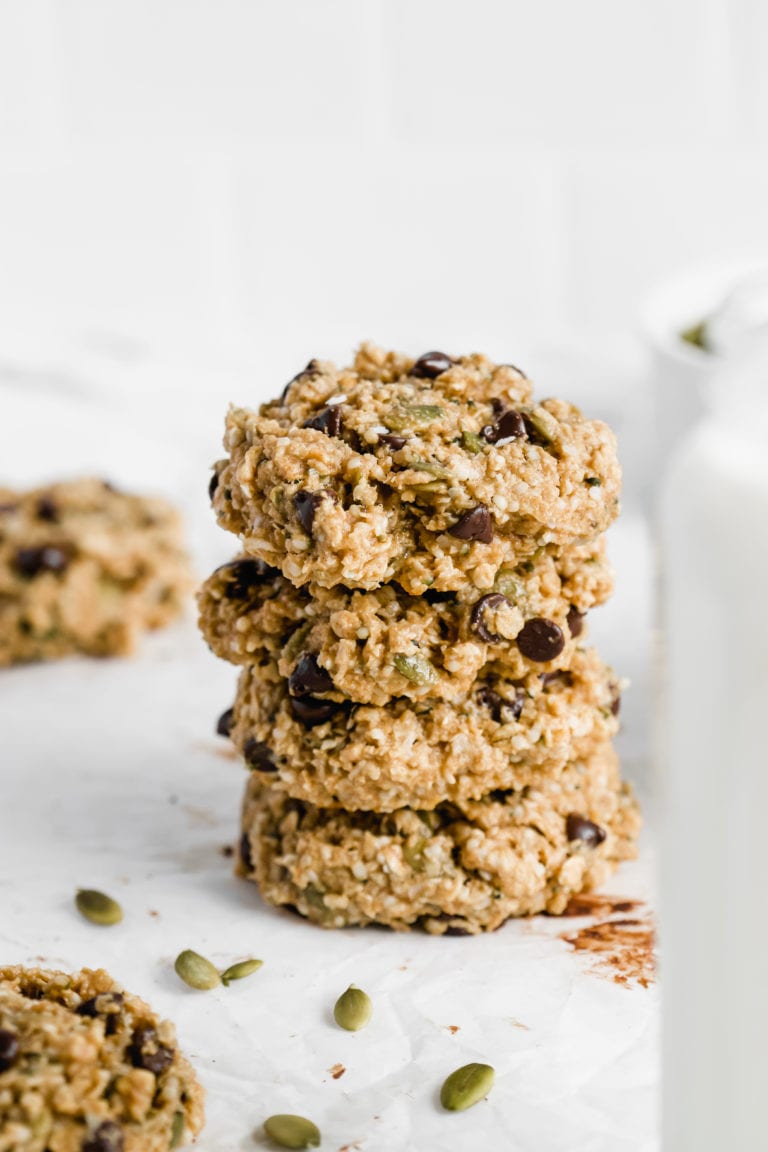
<point x="427" y="733"/>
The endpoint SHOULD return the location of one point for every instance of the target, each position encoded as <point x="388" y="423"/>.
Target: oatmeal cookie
<point x="435" y="473"/>
<point x="87" y="1067"/>
<point x="503" y="734"/>
<point x="461" y="868"/>
<point x="372" y="646"/>
<point x="86" y="568"/>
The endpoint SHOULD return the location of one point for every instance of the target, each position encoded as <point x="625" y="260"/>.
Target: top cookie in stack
<point x="420" y="544"/>
<point x="434" y="473"/>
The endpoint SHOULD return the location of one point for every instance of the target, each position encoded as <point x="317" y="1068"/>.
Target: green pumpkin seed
<point x="696" y="335"/>
<point x="240" y="970"/>
<point x="353" y="1009"/>
<point x="415" y="668"/>
<point x="472" y="442"/>
<point x="177" y="1130"/>
<point x="405" y="416"/>
<point x="292" y="1131"/>
<point x="466" y="1086"/>
<point x="98" y="907"/>
<point x="545" y="424"/>
<point x="196" y="971"/>
<point x="433" y="468"/>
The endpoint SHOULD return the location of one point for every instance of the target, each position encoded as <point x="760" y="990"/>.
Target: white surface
<point x="112" y="778"/>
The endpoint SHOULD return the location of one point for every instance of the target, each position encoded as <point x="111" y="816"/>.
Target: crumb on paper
<point x="223" y="751"/>
<point x="593" y="904"/>
<point x="153" y="912"/>
<point x="518" y="1024"/>
<point x="227" y="850"/>
<point x="337" y="1071"/>
<point x="452" y="1028"/>
<point x="621" y="950"/>
<point x="200" y="817"/>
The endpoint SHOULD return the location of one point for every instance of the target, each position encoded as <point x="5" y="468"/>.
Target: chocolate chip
<point x="561" y="677"/>
<point x="453" y="930"/>
<point x="575" y="621"/>
<point x="242" y="577"/>
<point x="477" y="616"/>
<point x="106" y="1004"/>
<point x="431" y="365"/>
<point x="579" y="828"/>
<point x="435" y="596"/>
<point x="213" y="484"/>
<point x="541" y="640"/>
<point x="616" y="702"/>
<point x="33" y="561"/>
<point x="474" y="525"/>
<point x="147" y="1052"/>
<point x="533" y="433"/>
<point x="308" y="677"/>
<point x="246" y="855"/>
<point x="258" y="756"/>
<point x="307" y="504"/>
<point x="509" y="426"/>
<point x="108" y="1137"/>
<point x="311" y="369"/>
<point x="224" y="723"/>
<point x="392" y="440"/>
<point x="9" y="1049"/>
<point x="311" y="711"/>
<point x="503" y="711"/>
<point x="328" y="421"/>
<point x="47" y="509"/>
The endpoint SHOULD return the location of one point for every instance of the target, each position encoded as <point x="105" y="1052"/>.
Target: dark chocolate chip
<point x="311" y="711"/>
<point x="616" y="703"/>
<point x="106" y="1004"/>
<point x="579" y="828"/>
<point x="224" y="723"/>
<point x="242" y="577"/>
<point x="147" y="1052"/>
<point x="474" y="525"/>
<point x="246" y="855"/>
<point x="328" y="421"/>
<point x="108" y="1137"/>
<point x="477" y="616"/>
<point x="392" y="440"/>
<point x="431" y="365"/>
<point x="311" y="369"/>
<point x="453" y="930"/>
<point x="435" y="596"/>
<point x="532" y="432"/>
<point x="308" y="677"/>
<point x="307" y="503"/>
<point x="561" y="677"/>
<point x="575" y="621"/>
<point x="213" y="484"/>
<point x="33" y="561"/>
<point x="258" y="756"/>
<point x="541" y="640"/>
<point x="509" y="426"/>
<point x="9" y="1049"/>
<point x="47" y="509"/>
<point x="503" y="711"/>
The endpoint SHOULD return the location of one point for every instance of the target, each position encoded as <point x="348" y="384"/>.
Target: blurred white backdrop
<point x="251" y="182"/>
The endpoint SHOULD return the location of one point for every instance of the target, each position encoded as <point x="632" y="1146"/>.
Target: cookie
<point x="503" y="734"/>
<point x="373" y="646"/>
<point x="87" y="1067"/>
<point x="434" y="473"/>
<point x="85" y="568"/>
<point x="460" y="869"/>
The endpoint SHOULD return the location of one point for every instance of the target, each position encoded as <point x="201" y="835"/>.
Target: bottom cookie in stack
<point x="462" y="868"/>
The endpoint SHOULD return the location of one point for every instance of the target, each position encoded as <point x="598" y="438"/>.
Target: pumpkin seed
<point x="472" y="442"/>
<point x="353" y="1009"/>
<point x="292" y="1131"/>
<point x="405" y="416"/>
<point x="415" y="668"/>
<point x="466" y="1086"/>
<point x="98" y="907"/>
<point x="196" y="971"/>
<point x="240" y="970"/>
<point x="177" y="1130"/>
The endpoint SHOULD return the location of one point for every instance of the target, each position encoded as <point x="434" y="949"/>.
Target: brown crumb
<point x="518" y="1024"/>
<point x="227" y="850"/>
<point x="590" y="904"/>
<point x="223" y="751"/>
<point x="452" y="1028"/>
<point x="337" y="1071"/>
<point x="622" y="950"/>
<point x="153" y="913"/>
<point x="351" y="1147"/>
